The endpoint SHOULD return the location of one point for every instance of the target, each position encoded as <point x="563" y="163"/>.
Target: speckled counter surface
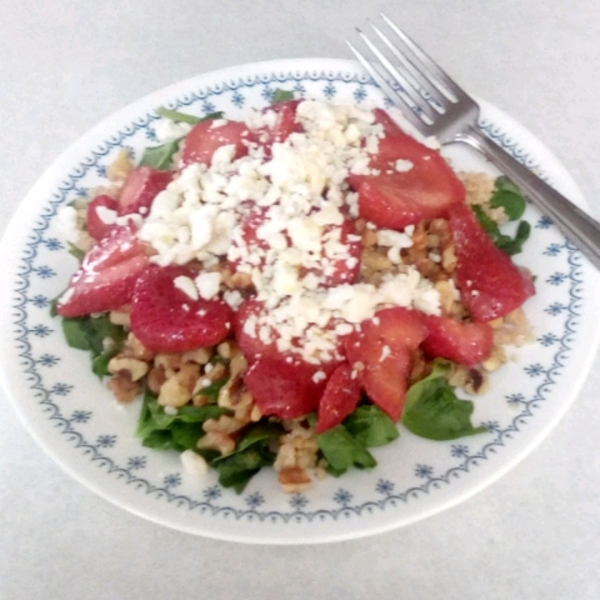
<point x="65" y="65"/>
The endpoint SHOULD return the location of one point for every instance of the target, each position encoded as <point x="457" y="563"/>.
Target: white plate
<point x="72" y="415"/>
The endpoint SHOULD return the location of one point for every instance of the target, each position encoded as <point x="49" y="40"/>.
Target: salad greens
<point x="161" y="157"/>
<point x="433" y="411"/>
<point x="508" y="196"/>
<point x="280" y="95"/>
<point x="90" y="333"/>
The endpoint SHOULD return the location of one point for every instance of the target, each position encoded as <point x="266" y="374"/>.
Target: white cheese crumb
<point x="187" y="286"/>
<point x="402" y="166"/>
<point x="386" y="351"/>
<point x="208" y="284"/>
<point x="168" y="131"/>
<point x="171" y="411"/>
<point x="319" y="376"/>
<point x="106" y="215"/>
<point x="194" y="464"/>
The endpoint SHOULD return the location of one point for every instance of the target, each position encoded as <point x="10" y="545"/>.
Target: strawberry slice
<point x="140" y="188"/>
<point x="464" y="343"/>
<point x="381" y="354"/>
<point x="166" y="319"/>
<point x="96" y="226"/>
<point x="337" y="271"/>
<point x="341" y="395"/>
<point x="490" y="283"/>
<point x="394" y="199"/>
<point x="251" y="345"/>
<point x="285" y="123"/>
<point x="206" y="137"/>
<point x="107" y="274"/>
<point x="283" y="386"/>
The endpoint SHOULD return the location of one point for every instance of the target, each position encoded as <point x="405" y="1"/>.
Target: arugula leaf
<point x="507" y="244"/>
<point x="370" y="426"/>
<point x="180" y="117"/>
<point x="281" y="96"/>
<point x="508" y="196"/>
<point x="342" y="451"/>
<point x="160" y="157"/>
<point x="433" y="411"/>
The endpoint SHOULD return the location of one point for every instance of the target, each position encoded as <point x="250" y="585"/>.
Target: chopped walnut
<point x="124" y="390"/>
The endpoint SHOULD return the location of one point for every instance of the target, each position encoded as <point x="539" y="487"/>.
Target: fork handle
<point x="582" y="229"/>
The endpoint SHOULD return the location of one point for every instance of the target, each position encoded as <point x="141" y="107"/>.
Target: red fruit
<point x="286" y="121"/>
<point x="284" y="389"/>
<point x="252" y="346"/>
<point x="490" y="283"/>
<point x="395" y="199"/>
<point x="341" y="395"/>
<point x="206" y="137"/>
<point x="107" y="274"/>
<point x="464" y="343"/>
<point x="338" y="271"/>
<point x="96" y="227"/>
<point x="166" y="319"/>
<point x="381" y="355"/>
<point x="140" y="188"/>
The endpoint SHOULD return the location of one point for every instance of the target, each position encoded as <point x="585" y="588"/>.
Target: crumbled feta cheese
<point x="194" y="464"/>
<point x="208" y="284"/>
<point x="187" y="286"/>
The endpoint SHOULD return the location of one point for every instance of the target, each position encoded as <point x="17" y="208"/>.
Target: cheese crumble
<point x="297" y="199"/>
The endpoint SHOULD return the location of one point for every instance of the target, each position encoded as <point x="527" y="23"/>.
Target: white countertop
<point x="65" y="65"/>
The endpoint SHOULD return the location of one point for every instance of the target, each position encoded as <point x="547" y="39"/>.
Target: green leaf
<point x="261" y="432"/>
<point x="508" y="196"/>
<point x="153" y="416"/>
<point x="212" y="391"/>
<point x="514" y="246"/>
<point x="342" y="451"/>
<point x="370" y="426"/>
<point x="504" y="242"/>
<point x="180" y="117"/>
<point x="160" y="157"/>
<point x="433" y="411"/>
<point x="100" y="362"/>
<point x="236" y="470"/>
<point x="76" y="332"/>
<point x="78" y="253"/>
<point x="281" y="96"/>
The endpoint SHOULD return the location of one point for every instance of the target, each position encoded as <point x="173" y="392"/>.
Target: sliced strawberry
<point x="285" y="123"/>
<point x="490" y="283"/>
<point x="341" y="395"/>
<point x="284" y="387"/>
<point x="140" y="188"/>
<point x="206" y="137"/>
<point x="107" y="275"/>
<point x="97" y="227"/>
<point x="337" y="271"/>
<point x="251" y="345"/>
<point x="166" y="319"/>
<point x="394" y="199"/>
<point x="381" y="354"/>
<point x="464" y="343"/>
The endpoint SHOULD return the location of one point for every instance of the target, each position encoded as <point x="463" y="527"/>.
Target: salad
<point x="283" y="291"/>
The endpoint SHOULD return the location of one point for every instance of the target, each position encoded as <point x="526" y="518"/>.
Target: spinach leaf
<point x="237" y="469"/>
<point x="508" y="196"/>
<point x="212" y="391"/>
<point x="342" y="451"/>
<point x="507" y="244"/>
<point x="160" y="157"/>
<point x="370" y="426"/>
<point x="89" y="333"/>
<point x="281" y="96"/>
<point x="433" y="411"/>
<point x="78" y="253"/>
<point x="180" y="431"/>
<point x="180" y="117"/>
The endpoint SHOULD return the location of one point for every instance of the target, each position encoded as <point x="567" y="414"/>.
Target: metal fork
<point x="436" y="106"/>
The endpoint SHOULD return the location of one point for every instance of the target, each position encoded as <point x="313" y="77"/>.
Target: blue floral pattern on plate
<point x="41" y="274"/>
